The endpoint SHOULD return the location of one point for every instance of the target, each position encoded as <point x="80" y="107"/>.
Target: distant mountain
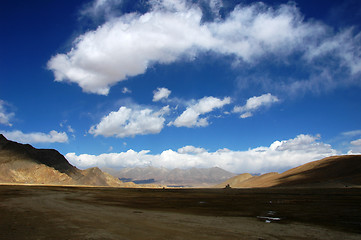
<point x="22" y="163"/>
<point x="193" y="177"/>
<point x="336" y="171"/>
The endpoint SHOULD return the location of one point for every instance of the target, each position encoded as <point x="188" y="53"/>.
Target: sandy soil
<point x="33" y="212"/>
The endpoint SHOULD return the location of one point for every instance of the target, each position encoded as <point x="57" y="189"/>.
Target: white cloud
<point x="161" y="93"/>
<point x="191" y="116"/>
<point x="126" y="46"/>
<point x="356" y="142"/>
<point x="352" y="133"/>
<point x="101" y="8"/>
<point x="344" y="45"/>
<point x="255" y="103"/>
<point x="191" y="149"/>
<point x="215" y="6"/>
<point x="279" y="156"/>
<point x="126" y="90"/>
<point x="5" y="116"/>
<point x="130" y="122"/>
<point x="355" y="147"/>
<point x="70" y="129"/>
<point x="246" y="115"/>
<point x="129" y="158"/>
<point x="36" y="137"/>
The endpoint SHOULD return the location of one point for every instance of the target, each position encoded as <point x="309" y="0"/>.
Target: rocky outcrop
<point x="22" y="163"/>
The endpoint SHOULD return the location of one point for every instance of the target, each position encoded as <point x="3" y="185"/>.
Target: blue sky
<point x="243" y="85"/>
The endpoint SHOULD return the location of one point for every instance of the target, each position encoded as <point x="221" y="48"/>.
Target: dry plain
<point x="54" y="212"/>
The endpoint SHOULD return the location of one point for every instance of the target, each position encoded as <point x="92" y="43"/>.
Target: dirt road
<point x="34" y="212"/>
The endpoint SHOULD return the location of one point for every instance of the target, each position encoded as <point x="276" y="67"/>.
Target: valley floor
<point x="51" y="212"/>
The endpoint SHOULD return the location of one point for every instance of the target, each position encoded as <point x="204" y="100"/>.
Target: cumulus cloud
<point x="279" y="156"/>
<point x="5" y="116"/>
<point x="161" y="93"/>
<point x="129" y="158"/>
<point x="36" y="137"/>
<point x="127" y="45"/>
<point x="191" y="116"/>
<point x="130" y="122"/>
<point x="254" y="103"/>
<point x="191" y="149"/>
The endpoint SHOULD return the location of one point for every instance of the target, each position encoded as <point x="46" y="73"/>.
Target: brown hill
<point x="236" y="180"/>
<point x="336" y="171"/>
<point x="22" y="163"/>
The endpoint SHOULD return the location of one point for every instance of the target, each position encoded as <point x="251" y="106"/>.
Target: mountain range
<point x="335" y="171"/>
<point x="24" y="164"/>
<point x="193" y="177"/>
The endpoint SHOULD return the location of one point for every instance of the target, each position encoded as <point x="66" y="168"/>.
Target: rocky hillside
<point x="22" y="163"/>
<point x="336" y="171"/>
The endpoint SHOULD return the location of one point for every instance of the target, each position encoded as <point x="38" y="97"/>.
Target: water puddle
<point x="270" y="217"/>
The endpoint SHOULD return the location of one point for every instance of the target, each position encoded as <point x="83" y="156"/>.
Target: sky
<point x="243" y="85"/>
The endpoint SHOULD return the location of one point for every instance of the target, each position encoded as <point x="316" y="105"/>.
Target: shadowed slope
<point x="11" y="151"/>
<point x="336" y="171"/>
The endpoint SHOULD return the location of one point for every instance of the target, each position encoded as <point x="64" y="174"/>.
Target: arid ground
<point x="52" y="212"/>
